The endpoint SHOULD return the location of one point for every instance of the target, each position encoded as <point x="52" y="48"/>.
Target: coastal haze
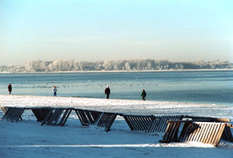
<point x="120" y="65"/>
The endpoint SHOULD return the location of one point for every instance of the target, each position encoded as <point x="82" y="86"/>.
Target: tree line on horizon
<point x="114" y="65"/>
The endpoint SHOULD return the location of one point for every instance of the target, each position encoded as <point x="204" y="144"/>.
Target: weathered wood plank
<point x="219" y="135"/>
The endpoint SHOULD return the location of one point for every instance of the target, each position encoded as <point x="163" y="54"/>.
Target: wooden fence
<point x="189" y="131"/>
<point x="177" y="128"/>
<point x="13" y="114"/>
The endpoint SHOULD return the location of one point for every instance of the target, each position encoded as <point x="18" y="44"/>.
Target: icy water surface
<point x="212" y="87"/>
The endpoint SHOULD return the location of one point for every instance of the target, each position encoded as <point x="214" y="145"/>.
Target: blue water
<point x="215" y="87"/>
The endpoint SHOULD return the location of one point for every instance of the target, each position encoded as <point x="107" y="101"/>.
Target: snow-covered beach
<point x="116" y="78"/>
<point x="28" y="138"/>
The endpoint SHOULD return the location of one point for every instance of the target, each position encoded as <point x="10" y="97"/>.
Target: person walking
<point x="9" y="88"/>
<point x="107" y="92"/>
<point x="143" y="94"/>
<point x="54" y="91"/>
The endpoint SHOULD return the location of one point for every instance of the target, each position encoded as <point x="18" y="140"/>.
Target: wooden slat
<point x="214" y="136"/>
<point x="139" y="122"/>
<point x="134" y="122"/>
<point x="87" y="117"/>
<point x="95" y="115"/>
<point x="159" y="123"/>
<point x="56" y="116"/>
<point x="155" y="127"/>
<point x="206" y="129"/>
<point x="65" y="116"/>
<point x="193" y="130"/>
<point x="13" y="114"/>
<point x="40" y="113"/>
<point x="106" y="120"/>
<point x="53" y="117"/>
<point x="204" y="132"/>
<point x="128" y="123"/>
<point x="219" y="135"/>
<point x="209" y="133"/>
<point x="171" y="132"/>
<point x="82" y="117"/>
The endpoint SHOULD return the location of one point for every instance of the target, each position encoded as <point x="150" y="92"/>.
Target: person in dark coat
<point x="107" y="92"/>
<point x="143" y="94"/>
<point x="9" y="88"/>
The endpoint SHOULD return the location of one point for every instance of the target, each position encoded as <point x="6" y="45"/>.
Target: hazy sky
<point x="181" y="30"/>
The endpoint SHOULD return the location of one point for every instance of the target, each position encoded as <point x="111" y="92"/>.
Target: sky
<point x="94" y="30"/>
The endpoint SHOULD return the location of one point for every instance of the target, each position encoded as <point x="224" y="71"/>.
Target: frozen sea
<point x="211" y="87"/>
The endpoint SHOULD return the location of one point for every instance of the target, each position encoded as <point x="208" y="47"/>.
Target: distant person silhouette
<point x="54" y="91"/>
<point x="107" y="92"/>
<point x="143" y="94"/>
<point x="9" y="88"/>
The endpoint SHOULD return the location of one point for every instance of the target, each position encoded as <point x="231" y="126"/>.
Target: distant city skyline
<point x="96" y="30"/>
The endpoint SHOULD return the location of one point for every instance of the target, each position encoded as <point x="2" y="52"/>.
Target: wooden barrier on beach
<point x="159" y="124"/>
<point x="106" y="120"/>
<point x="87" y="117"/>
<point x="149" y="123"/>
<point x="177" y="128"/>
<point x="204" y="132"/>
<point x="40" y="113"/>
<point x="101" y="119"/>
<point x="13" y="114"/>
<point x="139" y="122"/>
<point x="56" y="117"/>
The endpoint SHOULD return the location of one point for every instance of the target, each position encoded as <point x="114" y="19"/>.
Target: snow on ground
<point x="119" y="105"/>
<point x="28" y="139"/>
